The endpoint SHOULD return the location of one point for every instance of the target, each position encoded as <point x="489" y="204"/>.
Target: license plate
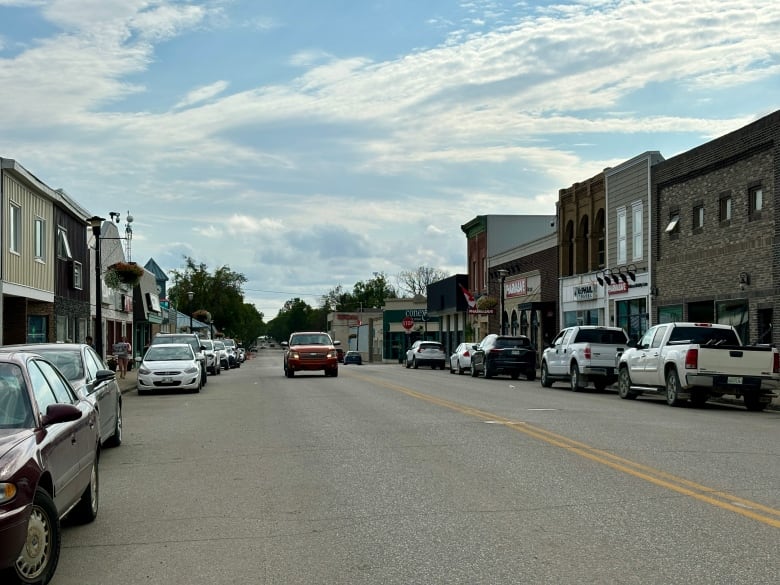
<point x="734" y="380"/>
<point x="166" y="380"/>
<point x="515" y="352"/>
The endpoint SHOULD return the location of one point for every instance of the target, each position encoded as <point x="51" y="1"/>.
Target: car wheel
<point x="673" y="388"/>
<point x="575" y="378"/>
<point x="335" y="372"/>
<point x="460" y="369"/>
<point x="600" y="385"/>
<point x="624" y="385"/>
<point x="406" y="363"/>
<point x="546" y="381"/>
<point x="486" y="373"/>
<point x="474" y="371"/>
<point x="452" y="370"/>
<point x="290" y="373"/>
<point x="514" y="375"/>
<point x="116" y="439"/>
<point x="41" y="552"/>
<point x="699" y="397"/>
<point x="87" y="508"/>
<point x="754" y="403"/>
<point x="530" y="375"/>
<point x="414" y="363"/>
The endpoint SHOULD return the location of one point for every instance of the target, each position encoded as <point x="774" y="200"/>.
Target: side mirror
<point x="57" y="413"/>
<point x="336" y="343"/>
<point x="103" y="375"/>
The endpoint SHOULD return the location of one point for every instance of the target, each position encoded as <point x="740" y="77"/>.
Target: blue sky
<point x="309" y="144"/>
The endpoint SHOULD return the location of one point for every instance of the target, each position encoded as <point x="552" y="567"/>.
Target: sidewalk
<point x="129" y="382"/>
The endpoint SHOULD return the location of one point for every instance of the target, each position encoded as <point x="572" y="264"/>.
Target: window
<point x="63" y="247"/>
<point x="621" y="235"/>
<point x="698" y="216"/>
<point x="637" y="230"/>
<point x="725" y="207"/>
<point x="673" y="227"/>
<point x="40" y="238"/>
<point x="77" y="276"/>
<point x="15" y="229"/>
<point x="755" y="199"/>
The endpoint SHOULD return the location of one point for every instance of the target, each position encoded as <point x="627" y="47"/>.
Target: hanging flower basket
<point x="202" y="315"/>
<point x="487" y="302"/>
<point x="126" y="272"/>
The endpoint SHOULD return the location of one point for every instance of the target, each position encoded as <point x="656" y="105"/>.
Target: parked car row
<point x="183" y="361"/>
<point x="679" y="361"/>
<point x="59" y="406"/>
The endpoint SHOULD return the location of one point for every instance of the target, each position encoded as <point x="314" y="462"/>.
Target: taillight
<point x="776" y="364"/>
<point x="692" y="359"/>
<point x="495" y="350"/>
<point x="467" y="354"/>
<point x="419" y="350"/>
<point x="587" y="352"/>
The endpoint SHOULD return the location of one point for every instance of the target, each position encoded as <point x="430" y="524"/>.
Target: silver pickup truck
<point x="583" y="354"/>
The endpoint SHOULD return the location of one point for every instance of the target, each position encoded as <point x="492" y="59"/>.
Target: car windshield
<point x="703" y="336"/>
<point x="67" y="361"/>
<point x="310" y="339"/>
<point x="168" y="353"/>
<point x="15" y="409"/>
<point x="219" y="345"/>
<point x="608" y="336"/>
<point x="509" y="342"/>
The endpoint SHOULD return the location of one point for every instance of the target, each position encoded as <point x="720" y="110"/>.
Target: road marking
<point x="702" y="493"/>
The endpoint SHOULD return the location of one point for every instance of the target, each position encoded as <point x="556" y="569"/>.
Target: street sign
<point x="408" y="323"/>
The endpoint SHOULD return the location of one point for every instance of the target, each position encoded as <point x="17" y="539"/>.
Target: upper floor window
<point x="756" y="199"/>
<point x="698" y="216"/>
<point x="15" y="229"/>
<point x="78" y="276"/>
<point x="673" y="227"/>
<point x="724" y="213"/>
<point x="63" y="247"/>
<point x="637" y="230"/>
<point x="40" y="238"/>
<point x="621" y="235"/>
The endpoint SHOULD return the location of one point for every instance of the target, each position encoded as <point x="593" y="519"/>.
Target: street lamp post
<point x="190" y="294"/>
<point x="502" y="272"/>
<point x="96" y="223"/>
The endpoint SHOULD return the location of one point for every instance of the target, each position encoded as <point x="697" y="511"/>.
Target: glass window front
<point x="632" y="317"/>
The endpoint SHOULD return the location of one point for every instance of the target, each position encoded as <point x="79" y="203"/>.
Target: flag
<point x="469" y="297"/>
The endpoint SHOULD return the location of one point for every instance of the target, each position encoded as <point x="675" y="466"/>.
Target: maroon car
<point x="49" y="451"/>
<point x="309" y="351"/>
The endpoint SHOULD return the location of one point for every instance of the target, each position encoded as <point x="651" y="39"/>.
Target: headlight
<point x="294" y="355"/>
<point x="144" y="371"/>
<point x="7" y="492"/>
<point x="332" y="354"/>
<point x="192" y="370"/>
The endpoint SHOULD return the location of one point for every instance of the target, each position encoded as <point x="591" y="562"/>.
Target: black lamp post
<point x="96" y="223"/>
<point x="190" y="294"/>
<point x="502" y="272"/>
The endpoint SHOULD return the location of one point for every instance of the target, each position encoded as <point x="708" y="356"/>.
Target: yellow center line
<point x="723" y="500"/>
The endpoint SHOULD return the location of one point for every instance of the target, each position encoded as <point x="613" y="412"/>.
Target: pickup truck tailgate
<point x="743" y="361"/>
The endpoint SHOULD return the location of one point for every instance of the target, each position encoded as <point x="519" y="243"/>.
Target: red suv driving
<point x="310" y="351"/>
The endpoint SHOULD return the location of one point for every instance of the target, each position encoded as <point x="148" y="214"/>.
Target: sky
<point x="308" y="144"/>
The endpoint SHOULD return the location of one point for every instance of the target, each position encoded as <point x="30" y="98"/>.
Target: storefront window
<point x="36" y="329"/>
<point x="632" y="317"/>
<point x="670" y="314"/>
<point x="736" y="314"/>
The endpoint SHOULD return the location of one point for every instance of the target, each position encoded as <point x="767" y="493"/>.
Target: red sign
<point x="408" y="323"/>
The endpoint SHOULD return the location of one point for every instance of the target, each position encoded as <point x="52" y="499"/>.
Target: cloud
<point x="202" y="94"/>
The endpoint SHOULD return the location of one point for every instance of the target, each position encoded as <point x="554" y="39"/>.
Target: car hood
<point x="169" y="365"/>
<point x="10" y="438"/>
<point x="311" y="348"/>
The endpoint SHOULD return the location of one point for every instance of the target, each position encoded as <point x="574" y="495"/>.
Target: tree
<point x="415" y="282"/>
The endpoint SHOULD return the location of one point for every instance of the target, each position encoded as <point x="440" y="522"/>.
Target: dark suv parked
<point x="504" y="354"/>
<point x="194" y="341"/>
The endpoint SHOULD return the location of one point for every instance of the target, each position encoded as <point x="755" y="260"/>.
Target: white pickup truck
<point x="583" y="354"/>
<point x="698" y="361"/>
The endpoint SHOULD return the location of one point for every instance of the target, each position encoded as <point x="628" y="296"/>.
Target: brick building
<point x="716" y="250"/>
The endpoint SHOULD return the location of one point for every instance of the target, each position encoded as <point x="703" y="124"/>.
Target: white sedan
<point x="171" y="366"/>
<point x="460" y="359"/>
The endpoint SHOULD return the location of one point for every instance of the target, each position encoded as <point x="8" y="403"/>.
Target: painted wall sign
<point x="584" y="292"/>
<point x="516" y="288"/>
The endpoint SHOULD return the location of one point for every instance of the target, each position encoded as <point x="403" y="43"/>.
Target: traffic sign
<point x="408" y="323"/>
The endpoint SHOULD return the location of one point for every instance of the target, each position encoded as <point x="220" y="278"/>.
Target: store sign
<point x="584" y="292"/>
<point x="482" y="311"/>
<point x="516" y="288"/>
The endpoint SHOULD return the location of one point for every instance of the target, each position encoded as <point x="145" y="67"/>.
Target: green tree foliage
<point x="220" y="294"/>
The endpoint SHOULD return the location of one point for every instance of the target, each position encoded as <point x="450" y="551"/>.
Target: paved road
<point x="387" y="475"/>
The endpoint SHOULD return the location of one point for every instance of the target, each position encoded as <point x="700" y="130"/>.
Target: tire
<point x="673" y="388"/>
<point x="574" y="375"/>
<point x="624" y="385"/>
<point x="699" y="398"/>
<point x="335" y="373"/>
<point x="600" y="385"/>
<point x="406" y="363"/>
<point x="530" y="375"/>
<point x="474" y="372"/>
<point x="514" y="375"/>
<point x="545" y="380"/>
<point x="460" y="369"/>
<point x="87" y="508"/>
<point x="753" y="403"/>
<point x="116" y="439"/>
<point x="452" y="371"/>
<point x="486" y="373"/>
<point x="289" y="373"/>
<point x="38" y="560"/>
<point x="414" y="363"/>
